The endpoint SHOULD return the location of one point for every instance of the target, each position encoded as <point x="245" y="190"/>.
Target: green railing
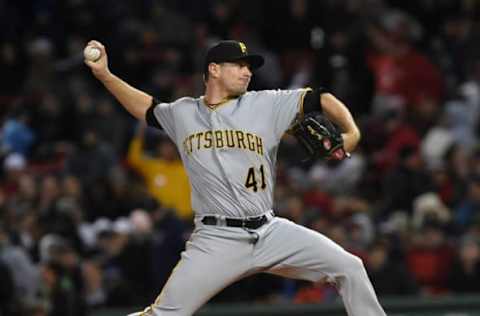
<point x="411" y="306"/>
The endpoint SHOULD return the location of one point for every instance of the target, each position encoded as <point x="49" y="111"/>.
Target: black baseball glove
<point x="319" y="137"/>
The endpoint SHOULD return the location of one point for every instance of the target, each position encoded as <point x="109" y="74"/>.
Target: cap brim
<point x="255" y="61"/>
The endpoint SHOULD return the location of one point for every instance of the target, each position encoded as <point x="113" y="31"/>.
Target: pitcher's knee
<point x="353" y="265"/>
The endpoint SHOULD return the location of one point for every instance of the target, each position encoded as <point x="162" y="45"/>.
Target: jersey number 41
<point x="251" y="181"/>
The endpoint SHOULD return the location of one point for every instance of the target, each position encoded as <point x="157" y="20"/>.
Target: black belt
<point x="251" y="223"/>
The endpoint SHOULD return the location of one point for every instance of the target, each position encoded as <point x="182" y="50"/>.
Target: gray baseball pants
<point x="217" y="256"/>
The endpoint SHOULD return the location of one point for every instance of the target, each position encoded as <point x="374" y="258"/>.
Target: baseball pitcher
<point x="228" y="141"/>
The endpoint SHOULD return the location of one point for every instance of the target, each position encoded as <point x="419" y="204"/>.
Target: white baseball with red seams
<point x="92" y="53"/>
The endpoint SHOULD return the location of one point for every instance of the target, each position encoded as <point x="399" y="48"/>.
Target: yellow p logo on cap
<point x="243" y="47"/>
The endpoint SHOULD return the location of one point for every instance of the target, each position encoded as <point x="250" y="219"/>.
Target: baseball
<point x="91" y="53"/>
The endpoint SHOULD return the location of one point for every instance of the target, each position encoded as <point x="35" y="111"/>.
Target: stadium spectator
<point x="464" y="276"/>
<point x="163" y="174"/>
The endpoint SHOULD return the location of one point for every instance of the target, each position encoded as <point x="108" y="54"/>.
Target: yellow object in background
<point x="166" y="180"/>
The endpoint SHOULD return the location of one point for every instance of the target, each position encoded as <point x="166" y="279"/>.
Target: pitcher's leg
<point x="294" y="251"/>
<point x="207" y="266"/>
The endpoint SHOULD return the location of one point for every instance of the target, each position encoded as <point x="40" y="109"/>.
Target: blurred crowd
<point x="94" y="207"/>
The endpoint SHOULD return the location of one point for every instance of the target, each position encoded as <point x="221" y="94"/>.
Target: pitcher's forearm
<point x="133" y="100"/>
<point x="340" y="115"/>
<point x="350" y="141"/>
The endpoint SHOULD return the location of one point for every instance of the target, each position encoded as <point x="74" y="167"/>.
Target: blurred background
<point x="94" y="207"/>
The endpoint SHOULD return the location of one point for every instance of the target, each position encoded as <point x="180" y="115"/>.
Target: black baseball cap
<point x="231" y="51"/>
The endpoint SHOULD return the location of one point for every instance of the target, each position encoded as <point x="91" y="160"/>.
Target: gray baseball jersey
<point x="229" y="152"/>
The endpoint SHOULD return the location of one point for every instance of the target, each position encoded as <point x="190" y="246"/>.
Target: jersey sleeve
<point x="161" y="116"/>
<point x="283" y="106"/>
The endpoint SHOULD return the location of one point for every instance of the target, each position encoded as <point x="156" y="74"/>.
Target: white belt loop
<point x="222" y="220"/>
<point x="197" y="220"/>
<point x="270" y="214"/>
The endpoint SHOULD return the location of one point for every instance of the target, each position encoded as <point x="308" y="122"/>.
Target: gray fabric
<point x="281" y="247"/>
<point x="218" y="147"/>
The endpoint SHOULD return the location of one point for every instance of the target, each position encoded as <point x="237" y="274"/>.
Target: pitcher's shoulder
<point x="260" y="93"/>
<point x="185" y="101"/>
